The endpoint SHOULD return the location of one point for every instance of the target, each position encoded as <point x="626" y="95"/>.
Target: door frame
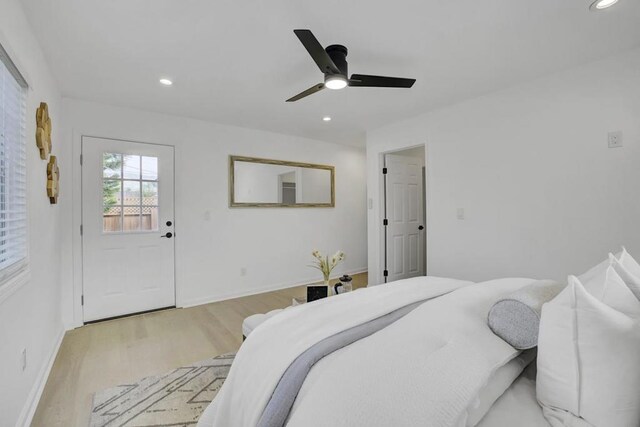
<point x="382" y="231"/>
<point x="72" y="300"/>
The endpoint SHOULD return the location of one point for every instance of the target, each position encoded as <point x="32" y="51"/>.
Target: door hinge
<point x="81" y="299"/>
<point x="385" y="273"/>
<point x="81" y="229"/>
<point x="385" y="222"/>
<point x="80" y="159"/>
<point x="384" y="171"/>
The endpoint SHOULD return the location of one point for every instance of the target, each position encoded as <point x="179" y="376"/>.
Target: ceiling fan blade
<point x="317" y="52"/>
<point x="310" y="91"/>
<point x="364" y="80"/>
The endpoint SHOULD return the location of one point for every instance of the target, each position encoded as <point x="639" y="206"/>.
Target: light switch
<point x="370" y="203"/>
<point x="460" y="213"/>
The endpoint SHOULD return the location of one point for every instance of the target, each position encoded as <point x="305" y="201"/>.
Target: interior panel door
<point x="405" y="214"/>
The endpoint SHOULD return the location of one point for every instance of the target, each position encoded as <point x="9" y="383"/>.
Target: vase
<point x="330" y="291"/>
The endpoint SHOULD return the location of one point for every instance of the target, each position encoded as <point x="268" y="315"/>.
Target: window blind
<point x="13" y="171"/>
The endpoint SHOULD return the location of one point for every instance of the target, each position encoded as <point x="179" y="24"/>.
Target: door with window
<point x="127" y="227"/>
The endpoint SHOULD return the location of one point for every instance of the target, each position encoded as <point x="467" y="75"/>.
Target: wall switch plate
<point x="370" y="203"/>
<point x="615" y="139"/>
<point x="460" y="213"/>
<point x="23" y="359"/>
<point x="243" y="271"/>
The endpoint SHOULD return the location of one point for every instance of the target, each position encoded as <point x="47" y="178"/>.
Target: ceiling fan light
<point x="602" y="4"/>
<point x="335" y="82"/>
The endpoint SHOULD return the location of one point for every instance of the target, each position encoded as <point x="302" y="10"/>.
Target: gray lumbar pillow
<point x="516" y="317"/>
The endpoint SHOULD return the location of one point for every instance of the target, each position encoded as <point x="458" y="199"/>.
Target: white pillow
<point x="628" y="269"/>
<point x="588" y="350"/>
<point x="610" y="288"/>
<point x="598" y="270"/>
<point x="628" y="262"/>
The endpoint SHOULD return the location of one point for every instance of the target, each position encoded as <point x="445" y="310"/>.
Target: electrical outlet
<point x="615" y="139"/>
<point x="24" y="359"/>
<point x="243" y="271"/>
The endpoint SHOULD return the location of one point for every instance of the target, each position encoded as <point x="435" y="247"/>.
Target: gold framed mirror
<point x="268" y="183"/>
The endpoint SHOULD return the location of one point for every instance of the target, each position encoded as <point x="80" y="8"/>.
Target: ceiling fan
<point x="332" y="62"/>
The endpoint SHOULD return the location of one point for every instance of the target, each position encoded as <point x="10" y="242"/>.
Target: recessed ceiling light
<point x="335" y="82"/>
<point x="602" y="4"/>
<point x="166" y="82"/>
<point x="326" y="118"/>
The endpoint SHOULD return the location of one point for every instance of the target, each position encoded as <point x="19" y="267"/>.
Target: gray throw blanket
<point x="278" y="408"/>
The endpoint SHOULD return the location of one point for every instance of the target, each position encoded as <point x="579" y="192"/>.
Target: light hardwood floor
<point x="106" y="354"/>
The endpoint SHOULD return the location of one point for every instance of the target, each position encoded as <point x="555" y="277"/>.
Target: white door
<point x="127" y="227"/>
<point x="405" y="215"/>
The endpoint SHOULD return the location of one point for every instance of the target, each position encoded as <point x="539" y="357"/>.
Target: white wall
<point x="543" y="194"/>
<point x="213" y="241"/>
<point x="30" y="315"/>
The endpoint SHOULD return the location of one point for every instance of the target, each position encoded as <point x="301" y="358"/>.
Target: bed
<point x="518" y="405"/>
<point x="433" y="351"/>
<point x="397" y="354"/>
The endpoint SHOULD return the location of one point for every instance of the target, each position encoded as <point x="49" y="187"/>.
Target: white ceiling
<point x="236" y="61"/>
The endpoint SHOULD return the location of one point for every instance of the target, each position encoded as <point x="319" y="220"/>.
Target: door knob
<point x="421" y="227"/>
<point x="168" y="235"/>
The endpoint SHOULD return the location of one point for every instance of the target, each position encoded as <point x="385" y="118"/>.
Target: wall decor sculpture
<point x="43" y="130"/>
<point x="53" y="180"/>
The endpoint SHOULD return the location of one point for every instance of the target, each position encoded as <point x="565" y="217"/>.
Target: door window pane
<point x="112" y="219"/>
<point x="150" y="168"/>
<point x="131" y="167"/>
<point x="150" y="193"/>
<point x="149" y="218"/>
<point x="111" y="165"/>
<point x="131" y="218"/>
<point x="111" y="192"/>
<point x="129" y="193"/>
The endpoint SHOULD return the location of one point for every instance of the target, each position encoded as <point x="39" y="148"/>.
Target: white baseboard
<point x="255" y="291"/>
<point x="30" y="406"/>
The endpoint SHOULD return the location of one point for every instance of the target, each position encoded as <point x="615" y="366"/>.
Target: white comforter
<point x="518" y="405"/>
<point x="427" y="368"/>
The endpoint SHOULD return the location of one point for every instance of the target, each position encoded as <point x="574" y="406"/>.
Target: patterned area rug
<point x="176" y="398"/>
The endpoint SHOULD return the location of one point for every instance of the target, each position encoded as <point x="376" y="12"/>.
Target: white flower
<point x="326" y="264"/>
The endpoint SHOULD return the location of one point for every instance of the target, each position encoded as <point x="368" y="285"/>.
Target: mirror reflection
<point x="275" y="183"/>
